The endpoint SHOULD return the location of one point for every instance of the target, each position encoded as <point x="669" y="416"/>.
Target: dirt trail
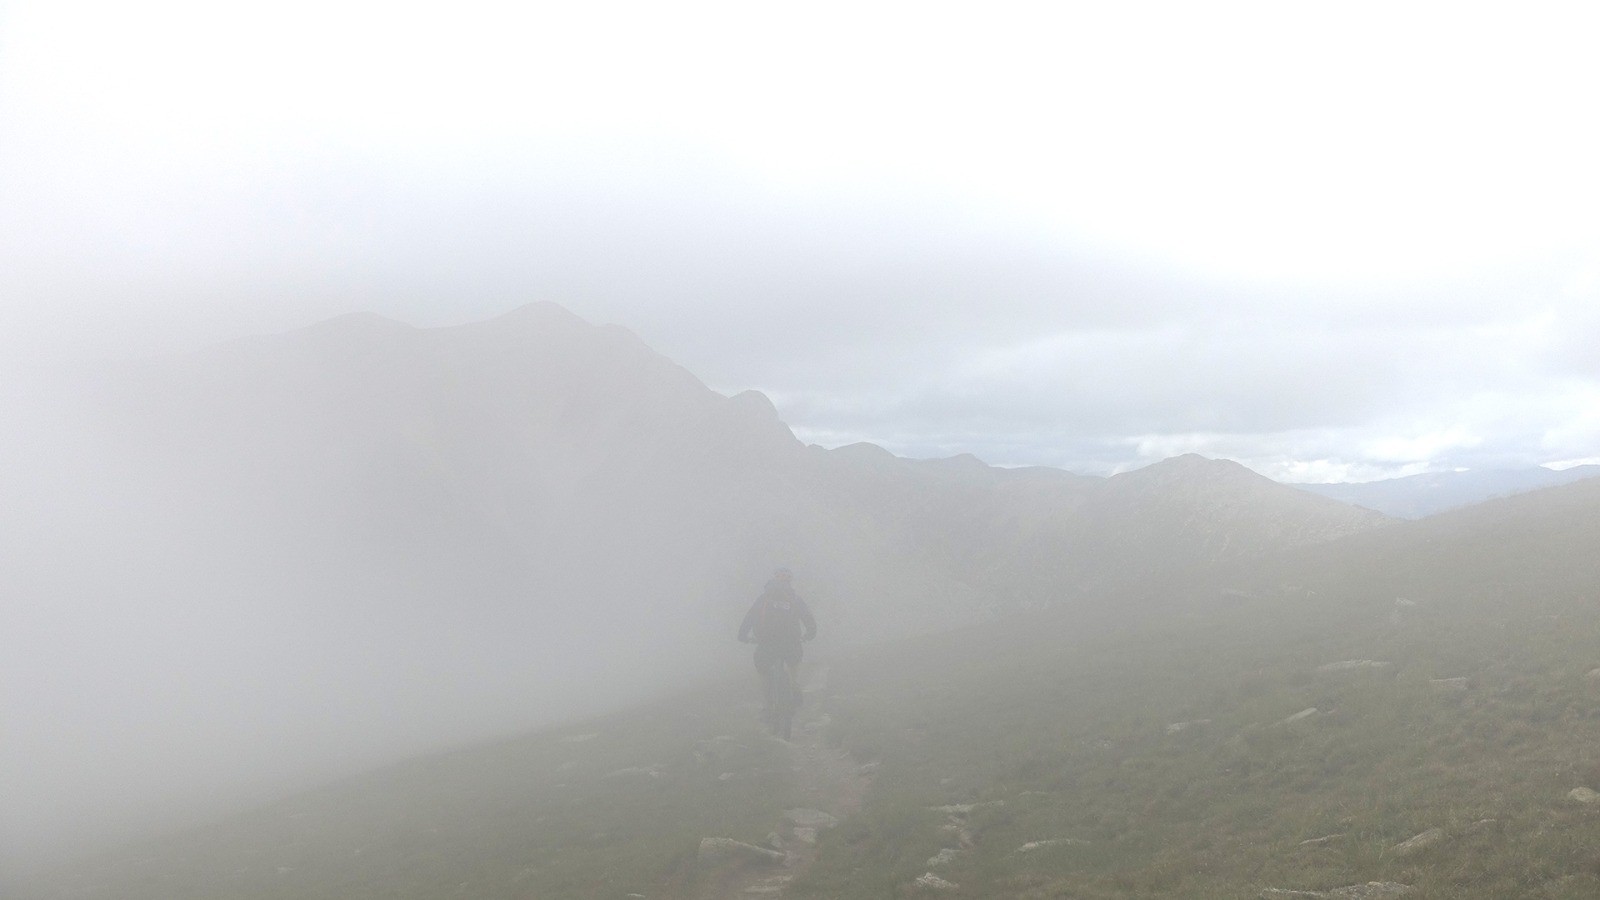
<point x="831" y="783"/>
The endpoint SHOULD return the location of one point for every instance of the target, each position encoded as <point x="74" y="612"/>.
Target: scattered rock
<point x="1372" y="890"/>
<point x="726" y="776"/>
<point x="1031" y="846"/>
<point x="578" y="738"/>
<point x="957" y="831"/>
<point x="1323" y="841"/>
<point x="774" y="885"/>
<point x="654" y="771"/>
<point x="1403" y="602"/>
<point x="1299" y="716"/>
<point x="1583" y="795"/>
<point x="718" y="748"/>
<point x="932" y="882"/>
<point x="1176" y="727"/>
<point x="962" y="809"/>
<point x="869" y="768"/>
<point x="719" y="850"/>
<point x="774" y="841"/>
<point x="810" y="818"/>
<point x="944" y="857"/>
<point x="1481" y="826"/>
<point x="1418" y="843"/>
<point x="1594" y="675"/>
<point x="806" y="836"/>
<point x="1350" y="665"/>
<point x="1449" y="685"/>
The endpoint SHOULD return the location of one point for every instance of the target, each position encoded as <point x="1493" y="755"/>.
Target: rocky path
<point x="831" y="786"/>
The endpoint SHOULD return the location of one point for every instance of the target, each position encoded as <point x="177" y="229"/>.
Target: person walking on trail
<point x="779" y="621"/>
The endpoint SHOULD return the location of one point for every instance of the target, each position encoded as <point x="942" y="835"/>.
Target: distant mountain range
<point x="1417" y="496"/>
<point x="539" y="461"/>
<point x="1401" y="678"/>
<point x="309" y="552"/>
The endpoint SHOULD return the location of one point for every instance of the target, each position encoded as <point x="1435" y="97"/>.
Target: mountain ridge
<point x="1064" y="756"/>
<point x="1417" y="496"/>
<point x="448" y="524"/>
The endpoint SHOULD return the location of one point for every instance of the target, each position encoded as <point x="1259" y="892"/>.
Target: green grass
<point x="1059" y="724"/>
<point x="539" y="816"/>
<point x="1069" y="730"/>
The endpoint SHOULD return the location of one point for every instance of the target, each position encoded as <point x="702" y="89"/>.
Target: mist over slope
<point x="1541" y="540"/>
<point x="287" y="557"/>
<point x="1416" y="496"/>
<point x="1165" y="753"/>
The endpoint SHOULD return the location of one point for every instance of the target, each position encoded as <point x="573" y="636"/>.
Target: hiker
<point x="778" y="622"/>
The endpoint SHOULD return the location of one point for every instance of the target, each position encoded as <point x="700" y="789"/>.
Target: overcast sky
<point x="1330" y="241"/>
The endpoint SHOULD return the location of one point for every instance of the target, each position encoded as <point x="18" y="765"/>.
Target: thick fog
<point x="224" y="581"/>
<point x="241" y="551"/>
<point x="1084" y="238"/>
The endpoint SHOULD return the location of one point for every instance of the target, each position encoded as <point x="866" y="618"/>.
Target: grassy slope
<point x="1068" y="728"/>
<point x="1076" y="745"/>
<point x="574" y="812"/>
<point x="1065" y="722"/>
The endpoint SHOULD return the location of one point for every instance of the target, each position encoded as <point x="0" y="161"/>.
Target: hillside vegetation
<point x="1163" y="753"/>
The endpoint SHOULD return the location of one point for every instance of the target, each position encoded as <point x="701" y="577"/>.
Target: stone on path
<point x="774" y="885"/>
<point x="959" y="832"/>
<point x="1583" y="795"/>
<point x="721" y="849"/>
<point x="716" y="749"/>
<point x="1372" y="890"/>
<point x="1031" y="846"/>
<point x="1300" y="716"/>
<point x="653" y="770"/>
<point x="1351" y="665"/>
<point x="810" y="818"/>
<point x="932" y="882"/>
<point x="1418" y="843"/>
<point x="962" y="809"/>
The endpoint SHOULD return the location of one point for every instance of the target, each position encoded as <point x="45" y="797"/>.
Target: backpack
<point x="779" y="618"/>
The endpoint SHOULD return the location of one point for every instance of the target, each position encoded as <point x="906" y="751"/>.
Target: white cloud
<point x="1026" y="233"/>
<point x="1420" y="447"/>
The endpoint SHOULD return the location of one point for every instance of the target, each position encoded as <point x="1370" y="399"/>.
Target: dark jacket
<point x="778" y="616"/>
